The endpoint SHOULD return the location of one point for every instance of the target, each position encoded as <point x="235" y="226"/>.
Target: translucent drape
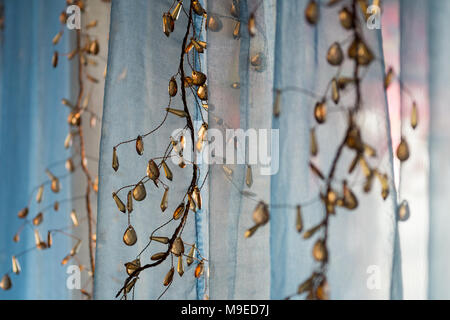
<point x="439" y="139"/>
<point x="275" y="259"/>
<point x="33" y="128"/>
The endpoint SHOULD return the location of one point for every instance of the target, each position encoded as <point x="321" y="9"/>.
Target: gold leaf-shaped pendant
<point x="152" y="170"/>
<point x="23" y="213"/>
<point x="119" y="203"/>
<point x="403" y="150"/>
<point x="130" y="236"/>
<point x="198" y="9"/>
<point x="94" y="47"/>
<point x="132" y="266"/>
<point x="414" y="116"/>
<point x="15" y="265"/>
<point x="199" y="270"/>
<point x="173" y="87"/>
<point x="177" y="112"/>
<point x="6" y="283"/>
<point x="313" y="143"/>
<point x="163" y="240"/>
<point x="49" y="239"/>
<point x="198" y="78"/>
<point x="178" y="247"/>
<point x="202" y="92"/>
<point x="249" y="177"/>
<point x="335" y="91"/>
<point x="320" y="250"/>
<point x="299" y="220"/>
<point x="178" y="211"/>
<point x="167" y="171"/>
<point x="249" y="232"/>
<point x="158" y="256"/>
<point x="168" y="24"/>
<point x="139" y="146"/>
<point x="403" y="211"/>
<point x="176" y="11"/>
<point x="164" y="201"/>
<point x="350" y="200"/>
<point x="346" y="19"/>
<point x="139" y="192"/>
<point x="312" y="12"/>
<point x="39" y="194"/>
<point x="335" y="55"/>
<point x="55" y="59"/>
<point x="70" y="167"/>
<point x="237" y="30"/>
<point x="252" y="25"/>
<point x="74" y="217"/>
<point x="320" y="112"/>
<point x="169" y="277"/>
<point x="75" y="249"/>
<point x="190" y="257"/>
<point x="261" y="214"/>
<point x="197" y="197"/>
<point x="388" y="78"/>
<point x="115" y="160"/>
<point x="130" y="285"/>
<point x="37" y="220"/>
<point x="130" y="201"/>
<point x="180" y="268"/>
<point x="214" y="23"/>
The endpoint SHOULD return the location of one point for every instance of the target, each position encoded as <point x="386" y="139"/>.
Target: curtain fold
<point x="275" y="260"/>
<point x="439" y="138"/>
<point x="33" y="128"/>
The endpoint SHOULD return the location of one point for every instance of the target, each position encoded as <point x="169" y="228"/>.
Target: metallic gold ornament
<point x="199" y="270"/>
<point x="299" y="220"/>
<point x="178" y="211"/>
<point x="176" y="11"/>
<point x="168" y="24"/>
<point x="350" y="200"/>
<point x="177" y="112"/>
<point x="130" y="236"/>
<point x="249" y="177"/>
<point x="237" y="30"/>
<point x="70" y="167"/>
<point x="139" y="146"/>
<point x="130" y="201"/>
<point x="6" y="283"/>
<point x="158" y="256"/>
<point x="94" y="47"/>
<point x="139" y="192"/>
<point x="163" y="240"/>
<point x="198" y="78"/>
<point x="169" y="277"/>
<point x="414" y="115"/>
<point x="15" y="265"/>
<point x="23" y="213"/>
<point x="313" y="142"/>
<point x="190" y="257"/>
<point x="251" y="25"/>
<point x="180" y="268"/>
<point x="403" y="150"/>
<point x="320" y="112"/>
<point x="214" y="23"/>
<point x="249" y="232"/>
<point x="403" y="211"/>
<point x="167" y="171"/>
<point x="346" y="18"/>
<point x="55" y="59"/>
<point x="261" y="214"/>
<point x="335" y="91"/>
<point x="173" y="87"/>
<point x="198" y="9"/>
<point x="335" y="56"/>
<point x="37" y="220"/>
<point x="202" y="92"/>
<point x="388" y="78"/>
<point x="74" y="217"/>
<point x="115" y="160"/>
<point x="130" y="285"/>
<point x="152" y="170"/>
<point x="320" y="250"/>
<point x="39" y="194"/>
<point x="132" y="266"/>
<point x="322" y="291"/>
<point x="197" y="197"/>
<point x="312" y="12"/>
<point x="165" y="201"/>
<point x="119" y="203"/>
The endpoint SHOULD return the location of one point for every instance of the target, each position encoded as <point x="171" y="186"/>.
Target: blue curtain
<point x="33" y="128"/>
<point x="275" y="260"/>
